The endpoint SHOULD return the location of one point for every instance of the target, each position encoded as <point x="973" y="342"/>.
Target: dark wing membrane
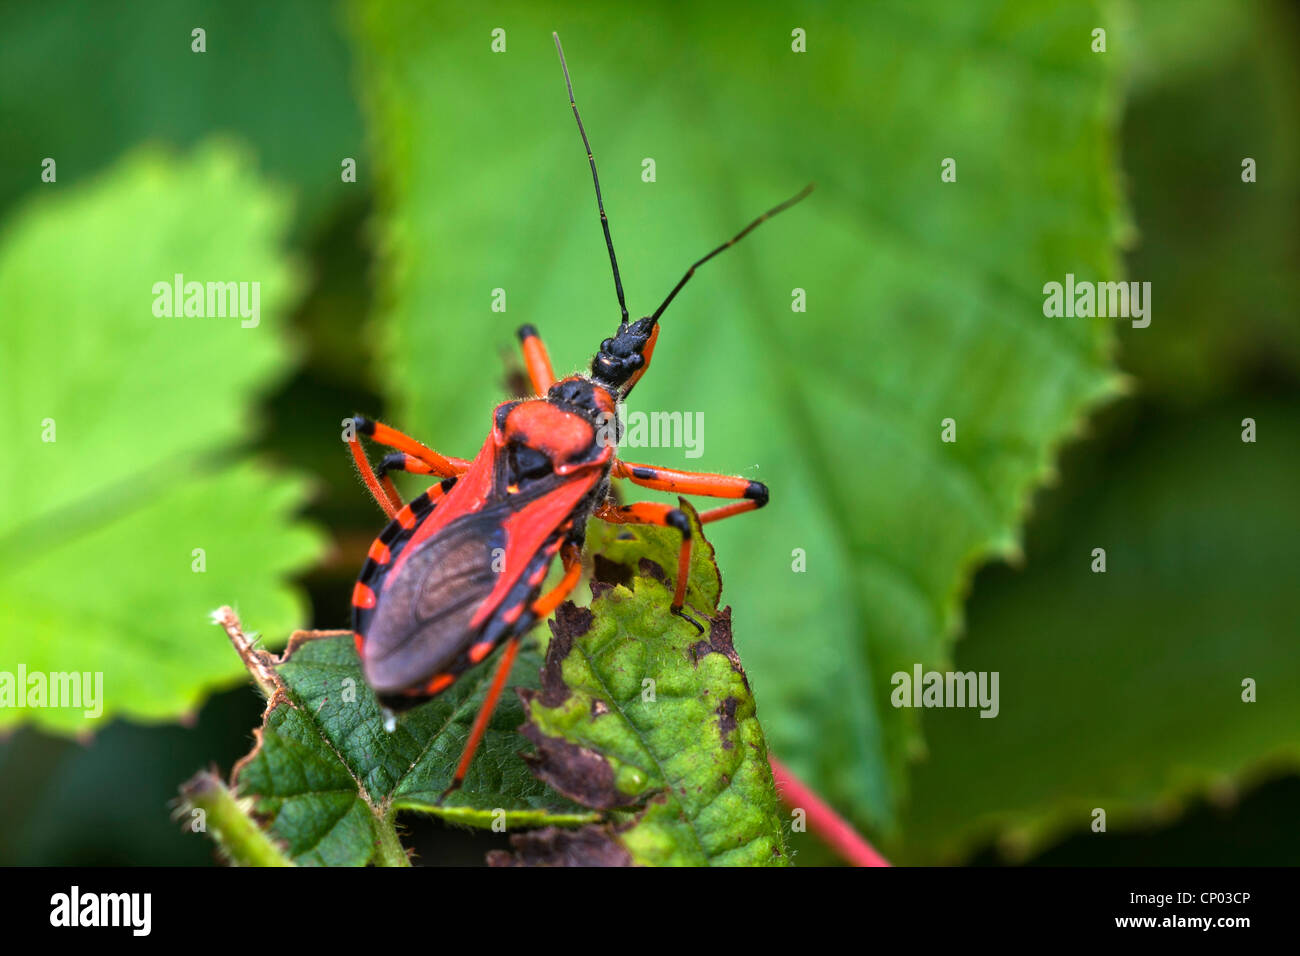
<point x="422" y="620"/>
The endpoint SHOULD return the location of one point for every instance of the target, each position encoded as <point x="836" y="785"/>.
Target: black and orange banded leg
<point x="753" y="495"/>
<point x="537" y="361"/>
<point x="380" y="485"/>
<point x="665" y="516"/>
<point x="398" y="461"/>
<point x="571" y="556"/>
<point x="401" y="461"/>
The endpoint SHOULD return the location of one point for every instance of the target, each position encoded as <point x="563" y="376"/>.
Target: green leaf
<point x="1242" y="242"/>
<point x="277" y="78"/>
<point x="121" y="424"/>
<point x="1123" y="690"/>
<point x="328" y="775"/>
<point x="1166" y="51"/>
<point x="924" y="298"/>
<point x="639" y="708"/>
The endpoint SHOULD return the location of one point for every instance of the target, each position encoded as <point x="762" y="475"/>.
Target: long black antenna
<point x="728" y="244"/>
<point x="604" y="220"/>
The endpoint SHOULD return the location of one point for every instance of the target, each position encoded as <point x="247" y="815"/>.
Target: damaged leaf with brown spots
<point x="643" y="717"/>
<point x="330" y="771"/>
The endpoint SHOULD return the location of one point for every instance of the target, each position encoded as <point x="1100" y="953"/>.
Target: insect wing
<point x="529" y="527"/>
<point x="423" y="621"/>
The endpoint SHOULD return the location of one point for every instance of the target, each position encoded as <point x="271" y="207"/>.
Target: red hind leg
<point x="541" y="608"/>
<point x="484" y="713"/>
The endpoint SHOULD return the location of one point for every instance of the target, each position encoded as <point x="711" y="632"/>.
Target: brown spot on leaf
<point x="570" y="622"/>
<point x="580" y="774"/>
<point x="727" y="721"/>
<point x="719" y="641"/>
<point x="606" y="573"/>
<point x="593" y="845"/>
<point x="652" y="569"/>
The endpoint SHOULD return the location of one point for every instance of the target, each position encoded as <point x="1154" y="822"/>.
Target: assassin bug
<point x="432" y="600"/>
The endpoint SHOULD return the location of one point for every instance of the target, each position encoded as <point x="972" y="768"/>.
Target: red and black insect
<point x="458" y="570"/>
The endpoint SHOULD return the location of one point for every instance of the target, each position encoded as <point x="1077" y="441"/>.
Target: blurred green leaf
<point x="1123" y="690"/>
<point x="1173" y="42"/>
<point x="1221" y="254"/>
<point x="637" y="707"/>
<point x="98" y="527"/>
<point x="276" y="76"/>
<point x="924" y="298"/>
